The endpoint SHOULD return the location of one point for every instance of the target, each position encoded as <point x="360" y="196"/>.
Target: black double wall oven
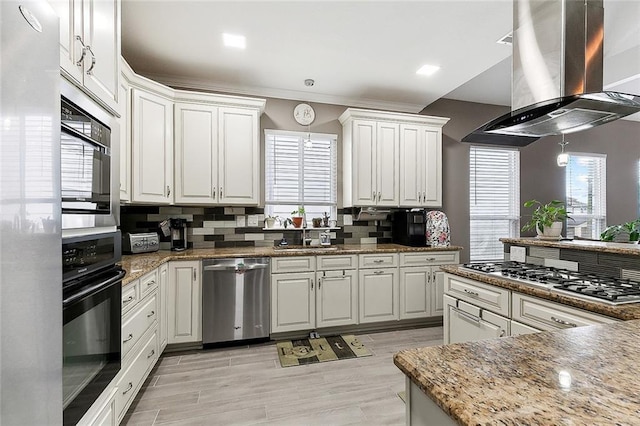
<point x="91" y="303"/>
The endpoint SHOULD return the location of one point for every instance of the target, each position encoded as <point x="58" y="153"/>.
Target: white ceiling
<point x="360" y="53"/>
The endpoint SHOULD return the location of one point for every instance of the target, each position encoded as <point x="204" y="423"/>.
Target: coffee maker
<point x="408" y="228"/>
<point x="178" y="234"/>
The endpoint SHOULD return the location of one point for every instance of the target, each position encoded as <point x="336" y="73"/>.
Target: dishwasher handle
<point x="236" y="268"/>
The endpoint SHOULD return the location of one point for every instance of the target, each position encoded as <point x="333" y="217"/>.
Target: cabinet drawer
<point x="337" y="262"/>
<point x="148" y="283"/>
<point x="137" y="323"/>
<point x="132" y="378"/>
<point x="486" y="296"/>
<point x="429" y="258"/>
<point x="546" y="315"/>
<point x="382" y="260"/>
<point x="293" y="264"/>
<point x="517" y="329"/>
<point x="130" y="296"/>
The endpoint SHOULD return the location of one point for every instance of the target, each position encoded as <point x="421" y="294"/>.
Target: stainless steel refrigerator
<point x="30" y="236"/>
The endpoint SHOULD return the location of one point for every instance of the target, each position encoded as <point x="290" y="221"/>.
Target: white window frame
<point x="599" y="216"/>
<point x="313" y="208"/>
<point x="489" y="250"/>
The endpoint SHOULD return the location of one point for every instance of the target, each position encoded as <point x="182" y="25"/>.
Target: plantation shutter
<point x="494" y="200"/>
<point x="300" y="168"/>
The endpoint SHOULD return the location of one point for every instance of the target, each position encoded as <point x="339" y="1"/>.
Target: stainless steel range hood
<point x="556" y="83"/>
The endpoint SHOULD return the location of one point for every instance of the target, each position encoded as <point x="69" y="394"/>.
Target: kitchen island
<point x="577" y="376"/>
<point x="581" y="376"/>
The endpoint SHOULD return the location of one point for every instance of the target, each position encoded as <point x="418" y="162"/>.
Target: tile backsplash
<point x="210" y="227"/>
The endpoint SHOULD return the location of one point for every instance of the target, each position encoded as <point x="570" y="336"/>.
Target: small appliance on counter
<point x="178" y="234"/>
<point x="140" y="242"/>
<point x="408" y="228"/>
<point x="438" y="232"/>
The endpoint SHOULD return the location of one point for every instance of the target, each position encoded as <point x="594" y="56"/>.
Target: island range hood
<point x="556" y="85"/>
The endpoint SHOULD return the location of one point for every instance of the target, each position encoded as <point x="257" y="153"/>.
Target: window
<point x="586" y="195"/>
<point x="494" y="204"/>
<point x="300" y="169"/>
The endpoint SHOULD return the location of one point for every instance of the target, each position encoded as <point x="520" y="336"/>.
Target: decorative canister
<point x="437" y="229"/>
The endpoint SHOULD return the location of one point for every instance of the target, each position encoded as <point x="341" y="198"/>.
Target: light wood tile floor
<point x="247" y="386"/>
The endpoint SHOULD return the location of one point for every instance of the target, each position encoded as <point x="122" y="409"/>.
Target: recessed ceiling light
<point x="427" y="69"/>
<point x="234" y="40"/>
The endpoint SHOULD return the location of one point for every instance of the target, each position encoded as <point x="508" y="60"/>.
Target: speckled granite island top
<point x="580" y="376"/>
<point x="137" y="265"/>
<point x="587" y="245"/>
<point x="624" y="312"/>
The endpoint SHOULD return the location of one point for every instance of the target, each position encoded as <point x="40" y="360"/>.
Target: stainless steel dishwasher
<point x="235" y="299"/>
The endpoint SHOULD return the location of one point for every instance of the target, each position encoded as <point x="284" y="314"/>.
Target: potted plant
<point x="547" y="219"/>
<point x="631" y="229"/>
<point x="270" y="221"/>
<point x="298" y="216"/>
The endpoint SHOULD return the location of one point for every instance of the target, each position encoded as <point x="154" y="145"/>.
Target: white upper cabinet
<point x="196" y="156"/>
<point x="239" y="155"/>
<point x="420" y="166"/>
<point x="90" y="47"/>
<point x="217" y="153"/>
<point x="125" y="140"/>
<point x="186" y="147"/>
<point x="391" y="159"/>
<point x="152" y="148"/>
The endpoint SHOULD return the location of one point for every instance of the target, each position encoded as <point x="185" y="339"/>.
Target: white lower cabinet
<point x="293" y="301"/>
<point x="184" y="310"/>
<point x="422" y="283"/>
<point x="414" y="292"/>
<point x="163" y="288"/>
<point x="464" y="322"/>
<point x="547" y="315"/>
<point x="518" y="328"/>
<point x="336" y="298"/>
<point x="378" y="295"/>
<point x="103" y="412"/>
<point x="135" y="372"/>
<point x="476" y="310"/>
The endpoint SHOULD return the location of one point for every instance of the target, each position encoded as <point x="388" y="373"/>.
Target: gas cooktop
<point x="589" y="286"/>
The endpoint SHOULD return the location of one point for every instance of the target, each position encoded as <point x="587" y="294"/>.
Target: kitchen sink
<point x="291" y="249"/>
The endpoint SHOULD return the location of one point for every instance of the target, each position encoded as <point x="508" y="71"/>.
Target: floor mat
<point x="322" y="349"/>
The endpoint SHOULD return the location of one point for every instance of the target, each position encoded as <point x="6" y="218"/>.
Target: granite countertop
<point x="137" y="265"/>
<point x="623" y="312"/>
<point x="580" y="376"/>
<point x="587" y="245"/>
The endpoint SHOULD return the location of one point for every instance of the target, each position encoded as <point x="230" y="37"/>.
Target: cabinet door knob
<point x="127" y="300"/>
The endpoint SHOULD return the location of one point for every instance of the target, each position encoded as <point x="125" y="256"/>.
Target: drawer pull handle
<point x="378" y="261"/>
<point x="430" y="259"/>
<point x="151" y="314"/>
<point x="502" y="332"/>
<point x="378" y="272"/>
<point x="128" y="388"/>
<point x="563" y="322"/>
<point x="152" y="282"/>
<point x="153" y="352"/>
<point x="128" y="338"/>
<point x="471" y="293"/>
<point x="127" y="300"/>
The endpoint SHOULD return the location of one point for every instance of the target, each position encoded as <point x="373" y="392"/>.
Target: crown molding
<point x="195" y="84"/>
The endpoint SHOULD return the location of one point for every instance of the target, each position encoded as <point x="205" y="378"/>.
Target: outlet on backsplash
<point x="518" y="254"/>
